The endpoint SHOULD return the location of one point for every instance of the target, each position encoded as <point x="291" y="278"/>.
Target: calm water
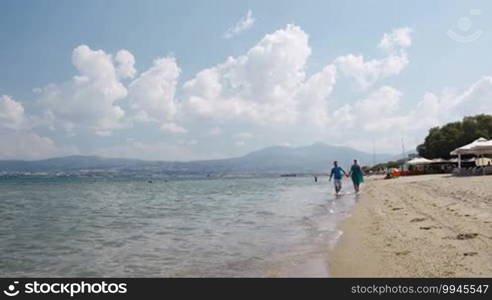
<point x="128" y="227"/>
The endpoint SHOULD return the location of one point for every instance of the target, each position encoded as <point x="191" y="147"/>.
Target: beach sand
<point x="419" y="226"/>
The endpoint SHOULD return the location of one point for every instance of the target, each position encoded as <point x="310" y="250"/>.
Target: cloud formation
<point x="266" y="85"/>
<point x="397" y="40"/>
<point x="367" y="72"/>
<point x="90" y="98"/>
<point x="152" y="94"/>
<point x="242" y="25"/>
<point x="11" y="113"/>
<point x="263" y="97"/>
<point x="125" y="64"/>
<point x="381" y="118"/>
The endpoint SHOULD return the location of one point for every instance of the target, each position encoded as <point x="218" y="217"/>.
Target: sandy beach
<point x="420" y="226"/>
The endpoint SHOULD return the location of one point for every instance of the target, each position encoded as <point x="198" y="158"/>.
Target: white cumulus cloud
<point x="380" y="117"/>
<point x="152" y="93"/>
<point x="367" y="72"/>
<point x="399" y="38"/>
<point x="268" y="85"/>
<point x="125" y="64"/>
<point x="11" y="113"/>
<point x="90" y="98"/>
<point x="263" y="97"/>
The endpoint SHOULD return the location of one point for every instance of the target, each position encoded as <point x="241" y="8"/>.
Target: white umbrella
<point x="468" y="149"/>
<point x="453" y="160"/>
<point x="419" y="161"/>
<point x="483" y="147"/>
<point x="439" y="160"/>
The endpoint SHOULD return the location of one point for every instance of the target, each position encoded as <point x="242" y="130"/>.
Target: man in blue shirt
<point x="336" y="172"/>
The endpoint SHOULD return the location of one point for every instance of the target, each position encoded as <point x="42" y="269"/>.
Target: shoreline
<point x="419" y="226"/>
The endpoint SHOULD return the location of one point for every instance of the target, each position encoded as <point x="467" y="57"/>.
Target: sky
<point x="187" y="80"/>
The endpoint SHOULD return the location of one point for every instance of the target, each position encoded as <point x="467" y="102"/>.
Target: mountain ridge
<point x="314" y="158"/>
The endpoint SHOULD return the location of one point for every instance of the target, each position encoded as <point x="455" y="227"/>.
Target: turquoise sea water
<point x="193" y="228"/>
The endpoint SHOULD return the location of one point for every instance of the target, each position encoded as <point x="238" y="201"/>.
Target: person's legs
<point x="356" y="187"/>
<point x="338" y="185"/>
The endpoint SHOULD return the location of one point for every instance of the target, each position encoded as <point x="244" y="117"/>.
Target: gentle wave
<point x="186" y="228"/>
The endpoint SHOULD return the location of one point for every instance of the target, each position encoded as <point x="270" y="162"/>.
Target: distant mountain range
<point x="316" y="158"/>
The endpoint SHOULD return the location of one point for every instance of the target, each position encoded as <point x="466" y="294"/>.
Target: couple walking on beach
<point x="355" y="173"/>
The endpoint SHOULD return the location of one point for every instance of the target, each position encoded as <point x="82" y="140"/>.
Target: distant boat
<point x="288" y="175"/>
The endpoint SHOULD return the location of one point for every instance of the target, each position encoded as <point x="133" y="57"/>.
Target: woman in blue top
<point x="357" y="175"/>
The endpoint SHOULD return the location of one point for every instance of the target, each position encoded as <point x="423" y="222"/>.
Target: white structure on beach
<point x="419" y="161"/>
<point x="478" y="147"/>
<point x="483" y="147"/>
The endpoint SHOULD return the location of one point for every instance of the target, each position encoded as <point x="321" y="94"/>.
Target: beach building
<point x="421" y="165"/>
<point x="417" y="165"/>
<point x="469" y="149"/>
<point x="482" y="165"/>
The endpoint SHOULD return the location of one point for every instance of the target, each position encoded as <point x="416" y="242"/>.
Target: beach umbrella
<point x="454" y="160"/>
<point x="419" y="161"/>
<point x="467" y="149"/>
<point x="483" y="147"/>
<point x="439" y="161"/>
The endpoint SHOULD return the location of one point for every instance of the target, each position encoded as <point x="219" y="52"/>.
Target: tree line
<point x="442" y="140"/>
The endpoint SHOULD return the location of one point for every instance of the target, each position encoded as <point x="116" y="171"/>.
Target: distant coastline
<point x="277" y="160"/>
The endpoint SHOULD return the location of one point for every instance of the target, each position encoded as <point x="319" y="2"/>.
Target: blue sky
<point x="164" y="80"/>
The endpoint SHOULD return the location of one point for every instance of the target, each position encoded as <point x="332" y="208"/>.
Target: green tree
<point x="442" y="140"/>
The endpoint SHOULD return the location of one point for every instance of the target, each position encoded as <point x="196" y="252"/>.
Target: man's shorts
<point x="338" y="184"/>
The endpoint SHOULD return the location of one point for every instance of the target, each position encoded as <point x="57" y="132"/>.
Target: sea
<point x="164" y="227"/>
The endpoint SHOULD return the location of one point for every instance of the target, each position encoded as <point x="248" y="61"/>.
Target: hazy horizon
<point x="194" y="160"/>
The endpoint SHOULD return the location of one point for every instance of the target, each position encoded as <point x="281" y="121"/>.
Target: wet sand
<point x="420" y="226"/>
